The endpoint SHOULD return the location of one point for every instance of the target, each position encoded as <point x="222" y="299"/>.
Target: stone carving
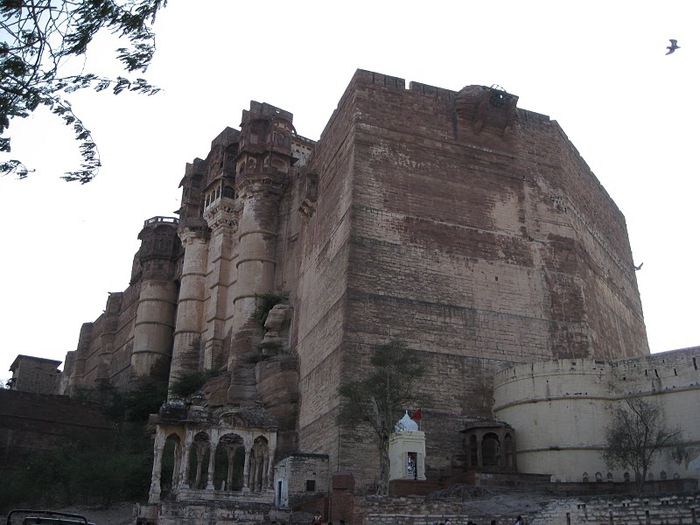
<point x="276" y="325"/>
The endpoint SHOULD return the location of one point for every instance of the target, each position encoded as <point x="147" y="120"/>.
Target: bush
<point x="188" y="383"/>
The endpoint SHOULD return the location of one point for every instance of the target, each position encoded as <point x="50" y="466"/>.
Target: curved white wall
<point x="560" y="409"/>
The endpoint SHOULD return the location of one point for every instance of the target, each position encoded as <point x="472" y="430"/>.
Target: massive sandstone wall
<point x="454" y="221"/>
<point x="479" y="237"/>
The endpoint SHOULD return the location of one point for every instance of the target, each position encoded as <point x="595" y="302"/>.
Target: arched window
<point x="490" y="450"/>
<point x="626" y="477"/>
<point x="585" y="477"/>
<point x="199" y="461"/>
<point x="258" y="465"/>
<point x="610" y="477"/>
<point x="169" y="464"/>
<point x="598" y="476"/>
<point x="663" y="475"/>
<point x="229" y="461"/>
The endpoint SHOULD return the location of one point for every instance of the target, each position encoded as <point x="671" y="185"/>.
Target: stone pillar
<point x="270" y="473"/>
<point x="185" y="465"/>
<point x="177" y="460"/>
<point x="246" y="468"/>
<point x="420" y="467"/>
<point x="212" y="463"/>
<point x="190" y="308"/>
<point x="158" y="446"/>
<point x="272" y="449"/>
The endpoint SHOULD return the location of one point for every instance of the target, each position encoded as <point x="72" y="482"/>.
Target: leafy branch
<point x="39" y="36"/>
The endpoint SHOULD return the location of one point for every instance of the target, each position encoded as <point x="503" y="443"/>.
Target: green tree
<point x="266" y="302"/>
<point x="41" y="36"/>
<point x="636" y="437"/>
<point x="188" y="383"/>
<point x="376" y="400"/>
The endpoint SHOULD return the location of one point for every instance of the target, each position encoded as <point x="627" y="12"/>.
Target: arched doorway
<point x="229" y="463"/>
<point x="199" y="461"/>
<point x="490" y="450"/>
<point x="170" y="463"/>
<point x="258" y="465"/>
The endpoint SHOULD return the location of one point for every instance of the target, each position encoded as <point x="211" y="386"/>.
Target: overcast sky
<point x="597" y="67"/>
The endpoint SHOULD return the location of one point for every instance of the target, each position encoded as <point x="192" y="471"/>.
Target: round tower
<point x="155" y="313"/>
<point x="262" y="166"/>
<point x="194" y="236"/>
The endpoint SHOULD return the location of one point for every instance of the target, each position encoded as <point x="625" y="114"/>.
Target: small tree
<point x="188" y="383"/>
<point x="377" y="398"/>
<point x="636" y="437"/>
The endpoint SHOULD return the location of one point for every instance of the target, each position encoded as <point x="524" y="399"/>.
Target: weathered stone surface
<point x="455" y="221"/>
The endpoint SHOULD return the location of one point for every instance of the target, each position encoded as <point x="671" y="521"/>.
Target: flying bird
<point x="638" y="267"/>
<point x="674" y="45"/>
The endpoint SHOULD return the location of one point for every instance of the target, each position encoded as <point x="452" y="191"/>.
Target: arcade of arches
<point x="212" y="460"/>
<point x="490" y="445"/>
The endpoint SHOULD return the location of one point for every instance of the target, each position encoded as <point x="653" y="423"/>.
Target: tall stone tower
<point x="262" y="166"/>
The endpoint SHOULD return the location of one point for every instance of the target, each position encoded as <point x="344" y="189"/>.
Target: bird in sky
<point x="638" y="267"/>
<point x="674" y="45"/>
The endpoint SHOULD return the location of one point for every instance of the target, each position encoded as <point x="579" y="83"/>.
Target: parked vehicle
<point x="45" y="517"/>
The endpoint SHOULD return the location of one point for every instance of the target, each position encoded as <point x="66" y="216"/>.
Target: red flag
<point x="417" y="415"/>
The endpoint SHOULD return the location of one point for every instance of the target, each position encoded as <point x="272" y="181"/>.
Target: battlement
<point x="265" y="111"/>
<point x="160" y="220"/>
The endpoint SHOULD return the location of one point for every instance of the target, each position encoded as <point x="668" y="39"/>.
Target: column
<point x="158" y="445"/>
<point x="184" y="467"/>
<point x="246" y="468"/>
<point x="212" y="458"/>
<point x="190" y="309"/>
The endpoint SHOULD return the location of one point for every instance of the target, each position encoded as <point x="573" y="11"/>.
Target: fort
<point x="455" y="221"/>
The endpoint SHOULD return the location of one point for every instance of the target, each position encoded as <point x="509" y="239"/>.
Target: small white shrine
<point x="407" y="450"/>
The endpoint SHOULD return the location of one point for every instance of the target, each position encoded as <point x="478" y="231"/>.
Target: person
<point x="519" y="521"/>
<point x="317" y="519"/>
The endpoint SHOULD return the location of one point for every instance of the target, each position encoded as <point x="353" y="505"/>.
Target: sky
<point x="597" y="67"/>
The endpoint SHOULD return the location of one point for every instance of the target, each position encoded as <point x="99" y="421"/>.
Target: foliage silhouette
<point x="40" y="37"/>
<point x="637" y="436"/>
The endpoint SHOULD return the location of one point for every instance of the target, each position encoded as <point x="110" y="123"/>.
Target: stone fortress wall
<point x="560" y="410"/>
<point x="453" y="220"/>
<point x="475" y="233"/>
